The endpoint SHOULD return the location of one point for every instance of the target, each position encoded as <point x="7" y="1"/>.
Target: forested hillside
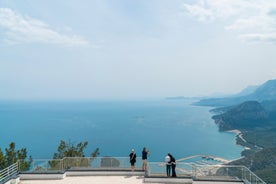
<point x="255" y="116"/>
<point x="257" y="122"/>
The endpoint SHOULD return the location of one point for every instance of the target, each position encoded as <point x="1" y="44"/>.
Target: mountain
<point x="247" y="115"/>
<point x="266" y="91"/>
<point x="246" y="91"/>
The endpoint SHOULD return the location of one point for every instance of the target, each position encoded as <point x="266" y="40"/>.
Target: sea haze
<point x="115" y="127"/>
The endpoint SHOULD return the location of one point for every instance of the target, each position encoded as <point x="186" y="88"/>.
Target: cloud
<point x="210" y="10"/>
<point x="271" y="38"/>
<point x="20" y="29"/>
<point x="253" y="20"/>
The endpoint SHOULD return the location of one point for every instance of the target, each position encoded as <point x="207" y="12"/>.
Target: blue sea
<point x="115" y="127"/>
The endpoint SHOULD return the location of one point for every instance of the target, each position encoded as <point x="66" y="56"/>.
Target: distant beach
<point x="240" y="135"/>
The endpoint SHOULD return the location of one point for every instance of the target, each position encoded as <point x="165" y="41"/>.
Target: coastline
<point x="239" y="135"/>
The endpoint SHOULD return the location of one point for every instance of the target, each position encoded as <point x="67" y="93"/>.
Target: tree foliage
<point x="12" y="155"/>
<point x="2" y="160"/>
<point x="70" y="150"/>
<point x="67" y="150"/>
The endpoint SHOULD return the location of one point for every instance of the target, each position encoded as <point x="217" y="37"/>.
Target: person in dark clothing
<point x="132" y="159"/>
<point x="145" y="154"/>
<point x="173" y="162"/>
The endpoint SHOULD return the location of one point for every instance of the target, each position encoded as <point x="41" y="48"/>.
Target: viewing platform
<point x="115" y="170"/>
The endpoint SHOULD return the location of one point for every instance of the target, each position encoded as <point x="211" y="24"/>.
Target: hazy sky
<point x="104" y="49"/>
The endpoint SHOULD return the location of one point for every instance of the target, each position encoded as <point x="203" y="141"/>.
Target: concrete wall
<point x="13" y="181"/>
<point x="55" y="176"/>
<point x="42" y="176"/>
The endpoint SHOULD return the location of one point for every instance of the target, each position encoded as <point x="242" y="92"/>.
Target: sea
<point x="115" y="127"/>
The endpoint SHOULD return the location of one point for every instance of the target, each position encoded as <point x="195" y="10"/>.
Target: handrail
<point x="9" y="173"/>
<point x="207" y="172"/>
<point x="253" y="177"/>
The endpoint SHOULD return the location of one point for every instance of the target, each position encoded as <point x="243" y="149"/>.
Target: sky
<point x="121" y="49"/>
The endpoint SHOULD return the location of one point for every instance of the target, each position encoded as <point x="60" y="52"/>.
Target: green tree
<point x="12" y="156"/>
<point x="2" y="160"/>
<point x="70" y="150"/>
<point x="95" y="153"/>
<point x="22" y="155"/>
<point x="66" y="150"/>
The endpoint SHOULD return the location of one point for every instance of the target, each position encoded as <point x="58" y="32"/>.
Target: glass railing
<point x="183" y="169"/>
<point x="61" y="165"/>
<point x="159" y="169"/>
<point x="207" y="172"/>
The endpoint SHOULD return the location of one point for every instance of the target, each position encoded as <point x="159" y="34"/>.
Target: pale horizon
<point x="134" y="49"/>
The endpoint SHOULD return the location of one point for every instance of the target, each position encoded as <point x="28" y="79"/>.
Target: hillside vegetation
<point x="255" y="116"/>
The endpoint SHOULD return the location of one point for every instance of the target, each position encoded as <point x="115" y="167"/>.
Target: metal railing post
<point x="61" y="165"/>
<point x="242" y="174"/>
<point x="195" y="171"/>
<point x="47" y="162"/>
<point x="33" y="165"/>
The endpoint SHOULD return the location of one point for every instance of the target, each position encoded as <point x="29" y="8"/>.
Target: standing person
<point x="132" y="159"/>
<point x="168" y="165"/>
<point x="145" y="154"/>
<point x="173" y="162"/>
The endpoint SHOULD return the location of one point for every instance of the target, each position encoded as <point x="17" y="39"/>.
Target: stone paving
<point x="107" y="180"/>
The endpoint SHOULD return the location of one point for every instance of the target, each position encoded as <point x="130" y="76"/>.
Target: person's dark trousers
<point x="173" y="170"/>
<point x="168" y="168"/>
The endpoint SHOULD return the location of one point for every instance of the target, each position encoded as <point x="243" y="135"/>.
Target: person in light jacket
<point x="168" y="164"/>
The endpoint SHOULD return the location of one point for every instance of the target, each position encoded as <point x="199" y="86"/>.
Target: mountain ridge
<point x="249" y="114"/>
<point x="266" y="91"/>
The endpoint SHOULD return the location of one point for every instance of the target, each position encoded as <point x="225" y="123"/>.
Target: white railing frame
<point x="9" y="172"/>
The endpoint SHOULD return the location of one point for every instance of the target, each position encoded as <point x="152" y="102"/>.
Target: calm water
<point x="115" y="127"/>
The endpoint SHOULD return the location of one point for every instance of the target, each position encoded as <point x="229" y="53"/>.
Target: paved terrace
<point x="115" y="180"/>
<point x="106" y="176"/>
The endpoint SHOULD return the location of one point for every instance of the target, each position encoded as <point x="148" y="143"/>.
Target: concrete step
<point x="182" y="180"/>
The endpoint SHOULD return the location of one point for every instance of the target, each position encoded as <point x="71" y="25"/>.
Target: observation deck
<point x="197" y="169"/>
